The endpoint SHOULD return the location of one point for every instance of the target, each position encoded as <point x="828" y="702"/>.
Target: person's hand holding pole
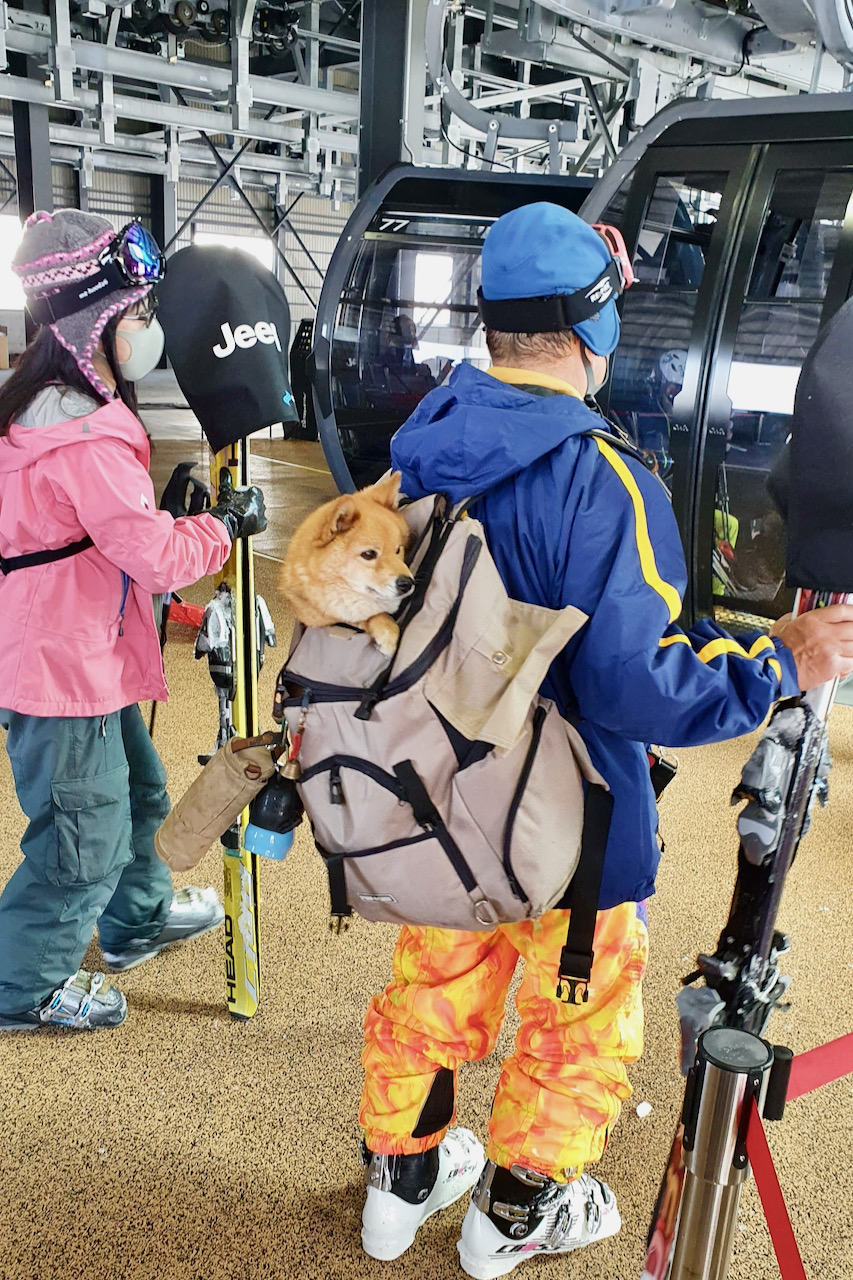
<point x="821" y="642"/>
<point x="241" y="510"/>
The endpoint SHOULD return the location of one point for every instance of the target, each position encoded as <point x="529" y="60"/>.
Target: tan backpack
<point x="441" y="788"/>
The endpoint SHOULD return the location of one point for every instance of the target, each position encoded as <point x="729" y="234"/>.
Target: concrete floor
<point x="188" y="1146"/>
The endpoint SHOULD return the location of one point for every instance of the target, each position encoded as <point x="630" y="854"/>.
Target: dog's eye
<point x="369" y="554"/>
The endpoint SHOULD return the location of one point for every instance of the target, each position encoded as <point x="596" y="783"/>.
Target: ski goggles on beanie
<point x="132" y="259"/>
<point x="545" y="270"/>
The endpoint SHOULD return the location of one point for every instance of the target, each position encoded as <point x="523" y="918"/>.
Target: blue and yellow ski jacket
<point x="571" y="519"/>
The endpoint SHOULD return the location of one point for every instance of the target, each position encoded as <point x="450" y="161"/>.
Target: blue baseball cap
<point x="544" y="251"/>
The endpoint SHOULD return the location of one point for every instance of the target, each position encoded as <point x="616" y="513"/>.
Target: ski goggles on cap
<point x="561" y="311"/>
<point x="612" y="237"/>
<point x="133" y="259"/>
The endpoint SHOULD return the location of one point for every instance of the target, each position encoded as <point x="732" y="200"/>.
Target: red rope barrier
<point x="820" y="1066"/>
<point x="808" y="1071"/>
<point x="772" y="1201"/>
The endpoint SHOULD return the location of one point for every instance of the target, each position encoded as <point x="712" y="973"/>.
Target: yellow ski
<point x="227" y="327"/>
<point x="242" y="919"/>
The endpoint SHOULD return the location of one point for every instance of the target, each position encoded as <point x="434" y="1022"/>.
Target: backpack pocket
<point x="411" y="881"/>
<point x="505" y="849"/>
<point x="349" y="799"/>
<point x="418" y="876"/>
<point x="524" y="810"/>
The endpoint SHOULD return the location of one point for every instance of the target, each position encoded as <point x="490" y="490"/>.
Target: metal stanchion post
<point x="731" y="1070"/>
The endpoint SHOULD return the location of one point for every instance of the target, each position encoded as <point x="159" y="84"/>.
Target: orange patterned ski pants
<point x="561" y="1090"/>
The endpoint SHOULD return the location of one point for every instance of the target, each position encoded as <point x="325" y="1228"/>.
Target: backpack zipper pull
<point x="336" y="791"/>
<point x="292" y="768"/>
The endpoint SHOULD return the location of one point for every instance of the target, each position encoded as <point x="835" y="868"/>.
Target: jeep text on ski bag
<point x="441" y="788"/>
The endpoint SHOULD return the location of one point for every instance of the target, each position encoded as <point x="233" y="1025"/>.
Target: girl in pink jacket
<point x="82" y="550"/>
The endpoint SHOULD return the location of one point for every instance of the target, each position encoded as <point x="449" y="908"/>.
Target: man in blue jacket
<point x="571" y="518"/>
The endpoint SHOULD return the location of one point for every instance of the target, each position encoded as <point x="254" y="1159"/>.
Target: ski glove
<point x="242" y="511"/>
<point x="184" y="495"/>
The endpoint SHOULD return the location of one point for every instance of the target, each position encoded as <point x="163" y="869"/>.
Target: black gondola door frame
<point x="714" y="410"/>
<point x="735" y="165"/>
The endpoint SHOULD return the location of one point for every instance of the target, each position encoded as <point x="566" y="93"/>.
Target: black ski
<point x="741" y="983"/>
<point x="733" y="992"/>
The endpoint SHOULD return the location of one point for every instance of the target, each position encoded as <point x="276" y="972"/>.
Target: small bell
<point x="292" y="770"/>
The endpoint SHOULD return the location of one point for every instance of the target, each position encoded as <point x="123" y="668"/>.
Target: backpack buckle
<point x="574" y="976"/>
<point x="572" y="990"/>
<point x="485" y="913"/>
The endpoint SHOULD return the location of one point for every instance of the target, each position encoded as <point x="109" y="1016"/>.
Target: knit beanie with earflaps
<point x="63" y="248"/>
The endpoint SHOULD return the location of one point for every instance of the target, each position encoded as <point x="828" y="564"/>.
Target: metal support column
<point x="32" y="146"/>
<point x="164" y="204"/>
<point x="413" y="123"/>
<point x="279" y="205"/>
<point x="164" y="220"/>
<point x="164" y="198"/>
<point x="382" y="87"/>
<point x="164" y="210"/>
<point x="62" y="60"/>
<point x="242" y="17"/>
<point x="85" y="176"/>
<point x="31" y="125"/>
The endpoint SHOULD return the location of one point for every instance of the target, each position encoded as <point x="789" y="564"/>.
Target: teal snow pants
<point x="94" y="790"/>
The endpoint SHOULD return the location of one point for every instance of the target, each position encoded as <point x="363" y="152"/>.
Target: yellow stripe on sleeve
<point x="762" y="643"/>
<point x="762" y="646"/>
<point x="713" y="650"/>
<point x="649" y="568"/>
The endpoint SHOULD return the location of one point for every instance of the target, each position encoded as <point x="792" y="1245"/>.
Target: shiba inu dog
<point x="345" y="563"/>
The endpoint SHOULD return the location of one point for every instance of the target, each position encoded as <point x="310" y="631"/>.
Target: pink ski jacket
<point x="78" y="636"/>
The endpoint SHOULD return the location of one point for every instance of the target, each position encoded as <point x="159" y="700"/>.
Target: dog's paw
<point x="384" y="632"/>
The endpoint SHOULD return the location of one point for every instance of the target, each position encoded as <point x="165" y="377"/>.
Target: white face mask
<point x="146" y="348"/>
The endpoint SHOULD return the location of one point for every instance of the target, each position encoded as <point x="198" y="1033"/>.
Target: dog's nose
<point x="405" y="586"/>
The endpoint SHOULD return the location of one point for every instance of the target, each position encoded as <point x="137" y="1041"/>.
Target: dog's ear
<point x="386" y="491"/>
<point x="342" y="516"/>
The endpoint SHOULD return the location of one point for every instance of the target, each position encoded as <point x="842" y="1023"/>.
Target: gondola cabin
<point x="739" y="219"/>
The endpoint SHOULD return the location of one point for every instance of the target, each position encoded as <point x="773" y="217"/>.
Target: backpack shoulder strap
<point x="434" y="537"/>
<point x="8" y="564"/>
<point x="577" y="955"/>
<point x="619" y="441"/>
<point x="461" y="509"/>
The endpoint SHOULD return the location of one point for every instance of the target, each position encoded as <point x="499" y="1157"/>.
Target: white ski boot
<point x="403" y="1191"/>
<point x="192" y="912"/>
<point x="516" y="1214"/>
<point x="85" y="1002"/>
